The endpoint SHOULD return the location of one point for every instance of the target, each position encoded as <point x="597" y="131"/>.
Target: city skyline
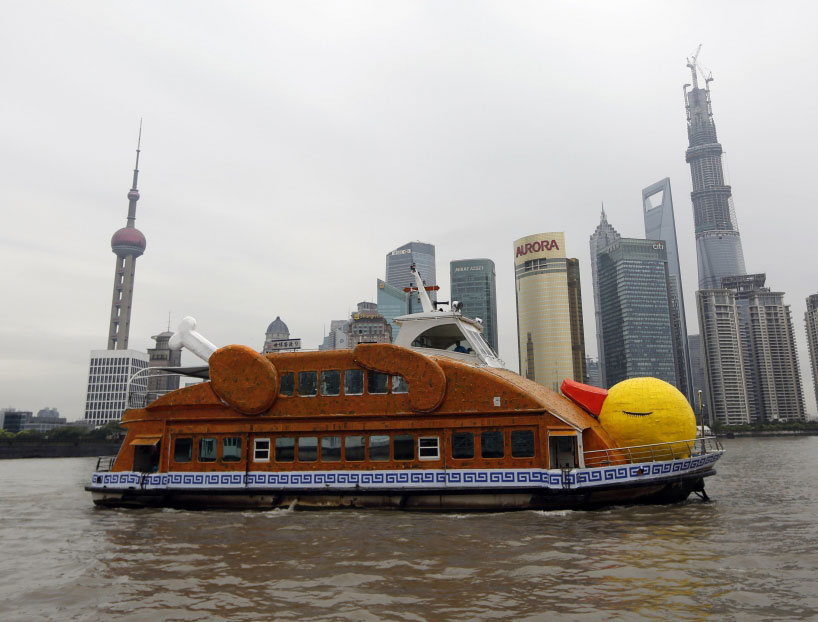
<point x="280" y="185"/>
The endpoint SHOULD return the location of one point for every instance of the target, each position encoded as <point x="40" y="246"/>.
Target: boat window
<point x="462" y="445"/>
<point x="183" y="450"/>
<point x="403" y="447"/>
<point x="377" y="383"/>
<point x="287" y="383"/>
<point x="429" y="448"/>
<point x="285" y="449"/>
<point x="354" y="448"/>
<point x="378" y="448"/>
<point x="207" y="449"/>
<point x="331" y="448"/>
<point x="308" y="449"/>
<point x="331" y="382"/>
<point x="522" y="443"/>
<point x="399" y="385"/>
<point x="353" y="382"/>
<point x="441" y="337"/>
<point x="231" y="449"/>
<point x="261" y="450"/>
<point x="307" y="383"/>
<point x="477" y="339"/>
<point x="491" y="444"/>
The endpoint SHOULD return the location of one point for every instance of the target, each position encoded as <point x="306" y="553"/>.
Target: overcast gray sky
<point x="287" y="146"/>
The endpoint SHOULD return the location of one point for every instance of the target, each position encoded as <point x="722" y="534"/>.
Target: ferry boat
<point x="432" y="422"/>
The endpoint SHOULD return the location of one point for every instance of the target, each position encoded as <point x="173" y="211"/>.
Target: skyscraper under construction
<point x="718" y="243"/>
<point x="748" y="347"/>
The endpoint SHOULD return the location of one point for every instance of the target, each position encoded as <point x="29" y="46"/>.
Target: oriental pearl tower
<point x="127" y="244"/>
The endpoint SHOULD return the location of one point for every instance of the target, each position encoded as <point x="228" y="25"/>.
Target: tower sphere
<point x="128" y="241"/>
<point x="133" y="195"/>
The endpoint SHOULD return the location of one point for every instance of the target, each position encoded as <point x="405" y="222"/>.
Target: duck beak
<point x="588" y="397"/>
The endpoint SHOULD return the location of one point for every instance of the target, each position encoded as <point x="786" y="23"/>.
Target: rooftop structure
<point x="277" y="338"/>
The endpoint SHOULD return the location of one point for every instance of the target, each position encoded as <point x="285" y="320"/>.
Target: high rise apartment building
<point x="637" y="326"/>
<point x="766" y="366"/>
<point x="399" y="274"/>
<point x="772" y="375"/>
<point x="811" y="320"/>
<point x="718" y="243"/>
<point x="473" y="282"/>
<point x="723" y="357"/>
<point x="660" y="224"/>
<point x="697" y="375"/>
<point x="109" y="381"/>
<point x="602" y="238"/>
<point x="549" y="318"/>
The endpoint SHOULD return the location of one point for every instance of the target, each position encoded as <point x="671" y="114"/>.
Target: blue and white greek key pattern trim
<point x="399" y="480"/>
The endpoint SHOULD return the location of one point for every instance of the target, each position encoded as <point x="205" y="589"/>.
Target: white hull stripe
<point x="454" y="479"/>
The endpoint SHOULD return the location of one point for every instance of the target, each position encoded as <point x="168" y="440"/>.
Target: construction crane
<point x="694" y="65"/>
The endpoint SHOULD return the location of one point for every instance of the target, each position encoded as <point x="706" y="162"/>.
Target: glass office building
<point x="660" y="224"/>
<point x="636" y="314"/>
<point x="399" y="275"/>
<point x="473" y="282"/>
<point x="392" y="303"/>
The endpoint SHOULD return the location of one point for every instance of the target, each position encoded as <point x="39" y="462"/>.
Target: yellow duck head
<point x="641" y="411"/>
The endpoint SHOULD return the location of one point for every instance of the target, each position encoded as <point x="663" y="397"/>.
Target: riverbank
<point x="58" y="449"/>
<point x="767" y="433"/>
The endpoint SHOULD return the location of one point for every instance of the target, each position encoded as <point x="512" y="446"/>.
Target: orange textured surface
<point x="425" y="377"/>
<point x="244" y="379"/>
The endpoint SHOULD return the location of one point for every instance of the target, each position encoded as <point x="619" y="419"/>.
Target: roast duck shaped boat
<point x="432" y="422"/>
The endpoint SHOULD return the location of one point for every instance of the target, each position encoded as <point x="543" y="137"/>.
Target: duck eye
<point x="637" y="414"/>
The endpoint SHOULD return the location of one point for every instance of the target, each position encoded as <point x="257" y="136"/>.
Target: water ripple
<point x="750" y="555"/>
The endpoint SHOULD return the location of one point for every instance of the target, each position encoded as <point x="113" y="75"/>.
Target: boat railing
<point x="151" y="383"/>
<point x="105" y="463"/>
<point x="652" y="453"/>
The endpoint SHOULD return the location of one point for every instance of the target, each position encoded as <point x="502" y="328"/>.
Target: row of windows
<point x="328" y="382"/>
<point x="490" y="444"/>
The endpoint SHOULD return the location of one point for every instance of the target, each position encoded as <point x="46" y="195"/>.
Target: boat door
<point x="146" y="453"/>
<point x="562" y="449"/>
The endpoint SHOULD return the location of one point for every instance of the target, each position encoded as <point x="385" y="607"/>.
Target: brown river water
<point x="749" y="554"/>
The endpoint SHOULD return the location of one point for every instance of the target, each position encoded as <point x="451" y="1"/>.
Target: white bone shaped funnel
<point x="187" y="336"/>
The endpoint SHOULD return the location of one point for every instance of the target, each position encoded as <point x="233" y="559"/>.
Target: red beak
<point x="590" y="398"/>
